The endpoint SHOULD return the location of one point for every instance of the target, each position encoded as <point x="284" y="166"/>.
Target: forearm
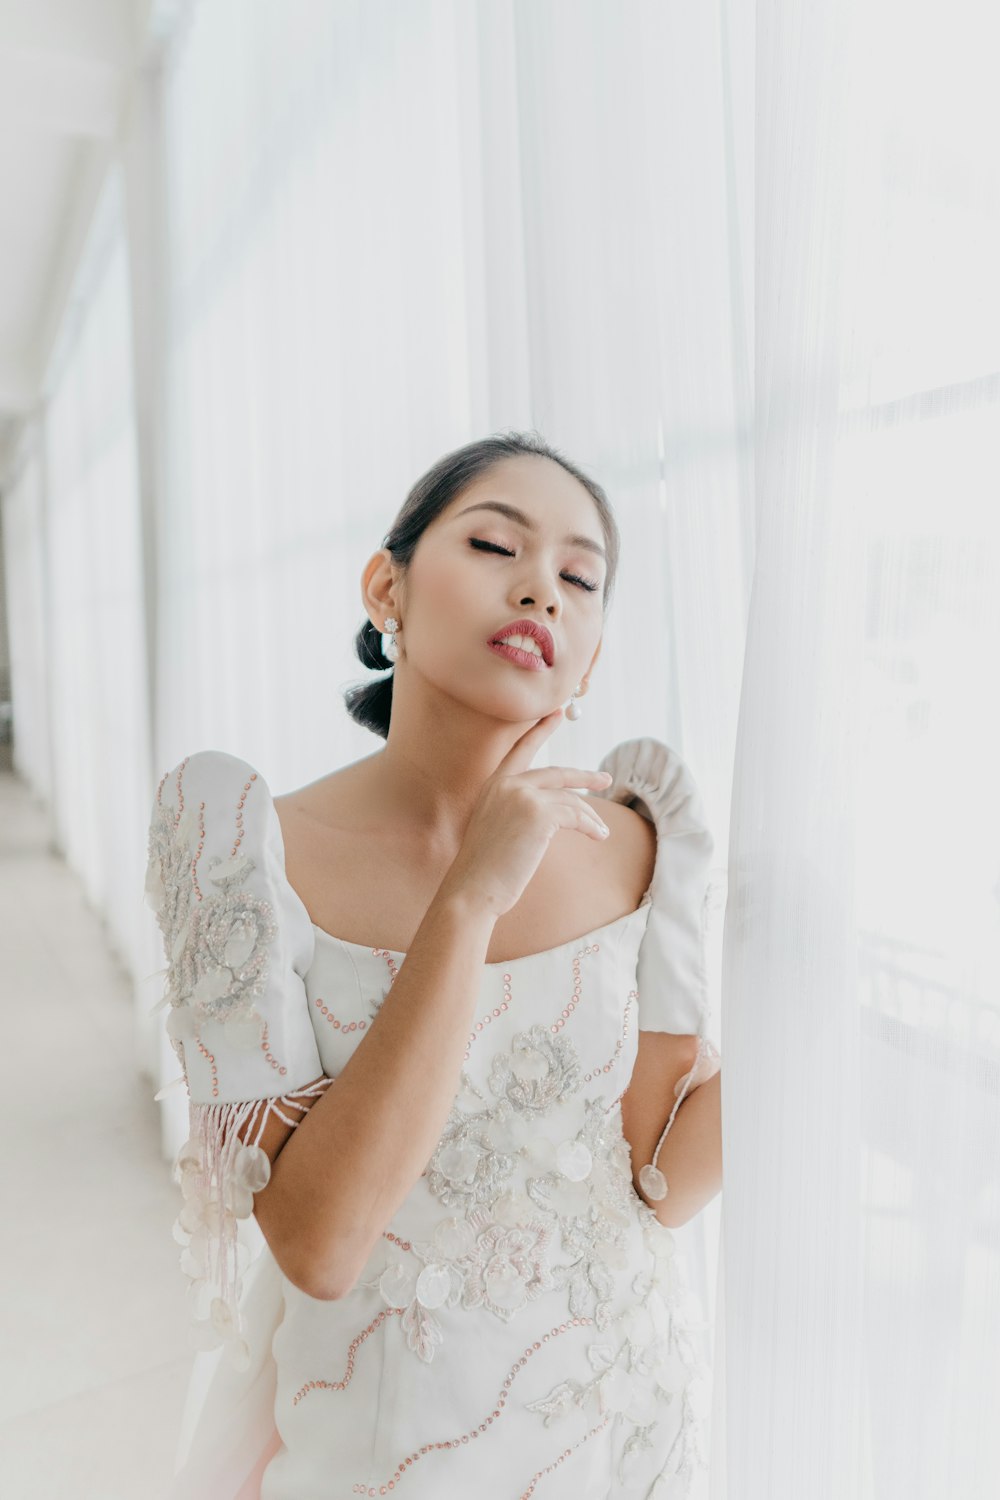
<point x="691" y="1156"/>
<point x="356" y="1155"/>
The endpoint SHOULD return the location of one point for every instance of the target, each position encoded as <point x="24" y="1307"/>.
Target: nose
<point x="538" y="589"/>
<point x="551" y="606"/>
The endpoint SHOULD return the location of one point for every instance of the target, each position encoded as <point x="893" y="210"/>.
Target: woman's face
<point x="478" y="568"/>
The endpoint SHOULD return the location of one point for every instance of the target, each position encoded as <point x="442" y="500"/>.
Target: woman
<point x="458" y="1163"/>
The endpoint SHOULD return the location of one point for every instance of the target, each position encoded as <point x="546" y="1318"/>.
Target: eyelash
<point x="584" y="583"/>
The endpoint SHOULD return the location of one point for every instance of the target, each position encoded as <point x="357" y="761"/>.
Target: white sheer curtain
<point x="398" y="227"/>
<point x="392" y="229"/>
<point x="24" y="583"/>
<point x="75" y="583"/>
<point x="860" y="1342"/>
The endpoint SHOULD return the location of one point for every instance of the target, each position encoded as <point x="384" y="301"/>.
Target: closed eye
<point x="484" y="546"/>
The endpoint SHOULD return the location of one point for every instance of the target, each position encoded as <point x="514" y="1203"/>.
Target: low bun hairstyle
<point x="370" y="703"/>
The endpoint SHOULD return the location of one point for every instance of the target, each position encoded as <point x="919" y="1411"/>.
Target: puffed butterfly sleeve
<point x="672" y="977"/>
<point x="238" y="942"/>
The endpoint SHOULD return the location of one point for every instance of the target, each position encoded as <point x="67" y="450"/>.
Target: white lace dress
<point x="523" y="1326"/>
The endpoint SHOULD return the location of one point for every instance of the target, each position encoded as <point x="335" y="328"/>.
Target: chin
<point x="511" y="708"/>
<point x="512" y="699"/>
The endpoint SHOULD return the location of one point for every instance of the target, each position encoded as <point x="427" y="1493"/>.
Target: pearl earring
<point x="390" y="650"/>
<point x="573" y="709"/>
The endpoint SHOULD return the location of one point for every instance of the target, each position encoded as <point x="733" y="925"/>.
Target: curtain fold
<point x="25" y="562"/>
<point x="861" y="1244"/>
<point x="74" y="564"/>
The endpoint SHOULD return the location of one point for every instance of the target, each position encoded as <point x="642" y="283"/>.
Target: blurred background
<point x="261" y="264"/>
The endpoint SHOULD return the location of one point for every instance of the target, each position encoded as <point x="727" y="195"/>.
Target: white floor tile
<point x="94" y="1358"/>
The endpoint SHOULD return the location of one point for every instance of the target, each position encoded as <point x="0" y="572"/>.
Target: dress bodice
<point x="523" y="1302"/>
<point x="523" y="1325"/>
<point x="354" y="979"/>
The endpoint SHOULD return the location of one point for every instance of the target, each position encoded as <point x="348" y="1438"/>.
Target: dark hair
<point x="370" y="703"/>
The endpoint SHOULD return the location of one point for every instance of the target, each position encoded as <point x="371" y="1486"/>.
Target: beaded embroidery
<point x="536" y="1214"/>
<point x="219" y="1171"/>
<point x="500" y="1254"/>
<point x="217" y="938"/>
<point x="532" y="1168"/>
<point x="218" y="945"/>
<point x="481" y="1262"/>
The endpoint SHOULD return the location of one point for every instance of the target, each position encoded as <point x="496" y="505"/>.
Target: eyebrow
<point x="513" y="514"/>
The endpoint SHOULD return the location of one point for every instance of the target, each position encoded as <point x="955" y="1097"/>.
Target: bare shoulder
<point x="335" y="843"/>
<point x="329" y="800"/>
<point x="630" y="848"/>
<point x="612" y="875"/>
<point x="370" y="880"/>
<point x="323" y="823"/>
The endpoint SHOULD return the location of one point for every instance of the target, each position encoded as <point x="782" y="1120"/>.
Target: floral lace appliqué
<point x="217" y="946"/>
<point x="488" y="1264"/>
<point x="576" y="1194"/>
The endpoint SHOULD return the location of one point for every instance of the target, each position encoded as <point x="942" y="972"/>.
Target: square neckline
<point x="584" y="937"/>
<point x="504" y="963"/>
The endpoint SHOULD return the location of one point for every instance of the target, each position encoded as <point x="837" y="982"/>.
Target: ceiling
<point x="67" y="69"/>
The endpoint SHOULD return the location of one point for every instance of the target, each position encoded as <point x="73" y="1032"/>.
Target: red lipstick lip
<point x="525" y="659"/>
<point x="532" y="628"/>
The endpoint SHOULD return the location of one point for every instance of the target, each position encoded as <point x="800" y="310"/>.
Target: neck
<point x="438" y="755"/>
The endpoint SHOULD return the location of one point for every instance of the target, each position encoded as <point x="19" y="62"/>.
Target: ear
<point x="380" y="588"/>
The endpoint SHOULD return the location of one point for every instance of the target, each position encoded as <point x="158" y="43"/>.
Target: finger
<point x="578" y="800"/>
<point x="574" y="812"/>
<point x="568" y="776"/>
<point x="524" y="750"/>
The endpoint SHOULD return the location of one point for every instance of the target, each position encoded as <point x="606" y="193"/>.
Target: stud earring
<point x="390" y="650"/>
<point x="573" y="709"/>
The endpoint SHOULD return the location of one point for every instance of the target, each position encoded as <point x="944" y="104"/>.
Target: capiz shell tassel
<point x="653" y="1182"/>
<point x="219" y="1172"/>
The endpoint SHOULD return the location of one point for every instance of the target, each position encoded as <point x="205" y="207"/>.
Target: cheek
<point x="446" y="577"/>
<point x="448" y="602"/>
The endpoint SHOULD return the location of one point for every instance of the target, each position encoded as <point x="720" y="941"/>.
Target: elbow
<point x="330" y="1291"/>
<point x="675" y="1215"/>
<point x="324" y="1281"/>
<point x="323" y="1284"/>
<point x="320" y="1265"/>
<point x="322" y="1257"/>
<point x="669" y="1211"/>
<point x="673" y="1219"/>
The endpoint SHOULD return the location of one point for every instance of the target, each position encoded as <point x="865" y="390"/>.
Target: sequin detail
<point x="574" y="1000"/>
<point x="216" y="935"/>
<point x="334" y="1021"/>
<point x="269" y="1057"/>
<point x="542" y="1192"/>
<point x="490" y="1016"/>
<point x="353" y="1347"/>
<point x="527" y="1494"/>
<point x="528" y="1079"/>
<point x="488" y="1420"/>
<point x="582" y="1184"/>
<point x="488" y="1264"/>
<point x="612" y="1061"/>
<point x="538" y="1072"/>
